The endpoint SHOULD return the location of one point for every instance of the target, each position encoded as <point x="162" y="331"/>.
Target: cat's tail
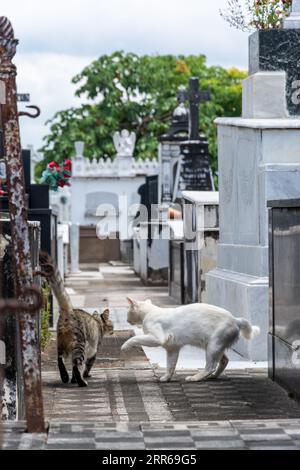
<point x="247" y="330"/>
<point x="56" y="282"/>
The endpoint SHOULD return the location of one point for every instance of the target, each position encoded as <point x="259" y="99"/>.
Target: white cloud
<point x="58" y="38"/>
<point x="47" y="77"/>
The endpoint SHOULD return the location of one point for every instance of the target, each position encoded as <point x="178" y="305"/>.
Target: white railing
<point x="124" y="166"/>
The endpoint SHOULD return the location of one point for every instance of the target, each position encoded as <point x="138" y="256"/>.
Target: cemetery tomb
<point x="284" y="321"/>
<point x="107" y="182"/>
<point x="201" y="236"/>
<point x="259" y="160"/>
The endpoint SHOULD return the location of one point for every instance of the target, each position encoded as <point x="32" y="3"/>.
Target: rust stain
<point x="20" y="233"/>
<point x="15" y="306"/>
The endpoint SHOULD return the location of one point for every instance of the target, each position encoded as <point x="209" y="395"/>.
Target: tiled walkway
<point x="125" y="387"/>
<point x="241" y="435"/>
<point x="126" y="407"/>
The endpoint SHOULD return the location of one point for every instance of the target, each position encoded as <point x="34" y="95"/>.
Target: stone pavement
<point x="126" y="407"/>
<point x="103" y="284"/>
<point x="205" y="435"/>
<point x="125" y="387"/>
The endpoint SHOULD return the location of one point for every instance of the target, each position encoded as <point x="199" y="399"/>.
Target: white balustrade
<point x="95" y="168"/>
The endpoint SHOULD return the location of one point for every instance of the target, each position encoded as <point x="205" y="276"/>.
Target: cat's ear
<point x="131" y="301"/>
<point x="105" y="315"/>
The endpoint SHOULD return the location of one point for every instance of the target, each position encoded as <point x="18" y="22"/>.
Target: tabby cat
<point x="78" y="333"/>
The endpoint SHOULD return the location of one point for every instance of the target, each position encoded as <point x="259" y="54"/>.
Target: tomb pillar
<point x="259" y="160"/>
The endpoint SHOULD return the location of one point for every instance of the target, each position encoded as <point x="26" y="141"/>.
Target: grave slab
<point x="278" y="50"/>
<point x="259" y="160"/>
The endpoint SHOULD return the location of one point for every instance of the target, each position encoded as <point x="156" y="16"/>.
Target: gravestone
<point x="278" y="51"/>
<point x="194" y="172"/>
<point x="184" y="154"/>
<point x="169" y="148"/>
<point x="151" y="244"/>
<point x="201" y="235"/>
<point x="259" y="160"/>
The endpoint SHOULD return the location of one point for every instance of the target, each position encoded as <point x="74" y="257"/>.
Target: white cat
<point x="205" y="326"/>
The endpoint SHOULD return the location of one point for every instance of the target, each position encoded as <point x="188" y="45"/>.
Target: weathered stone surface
<point x="259" y="160"/>
<point x="278" y="50"/>
<point x="125" y="407"/>
<point x="264" y="96"/>
<point x="158" y="436"/>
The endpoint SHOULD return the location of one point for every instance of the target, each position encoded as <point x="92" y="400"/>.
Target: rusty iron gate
<point x="28" y="297"/>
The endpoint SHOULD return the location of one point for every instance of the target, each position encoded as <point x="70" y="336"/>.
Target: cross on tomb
<point x="195" y="96"/>
<point x="194" y="172"/>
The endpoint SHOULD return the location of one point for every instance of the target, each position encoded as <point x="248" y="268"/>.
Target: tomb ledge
<point x="277" y="123"/>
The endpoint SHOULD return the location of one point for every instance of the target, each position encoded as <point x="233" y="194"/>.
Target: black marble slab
<point x="274" y="51"/>
<point x="195" y="171"/>
<point x="286" y="370"/>
<point x="284" y="203"/>
<point x="284" y="364"/>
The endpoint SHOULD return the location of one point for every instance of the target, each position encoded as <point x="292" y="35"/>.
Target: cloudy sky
<point x="59" y="38"/>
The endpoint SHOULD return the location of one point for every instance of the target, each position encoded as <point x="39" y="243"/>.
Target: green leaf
<point x="138" y="93"/>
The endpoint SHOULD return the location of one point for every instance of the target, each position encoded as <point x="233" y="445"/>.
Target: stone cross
<point x="293" y="20"/>
<point x="195" y="96"/>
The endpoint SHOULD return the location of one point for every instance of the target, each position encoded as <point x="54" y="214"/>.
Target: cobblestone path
<point x="126" y="407"/>
<point x="125" y="387"/>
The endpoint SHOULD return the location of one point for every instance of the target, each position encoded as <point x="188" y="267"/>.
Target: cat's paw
<point x="125" y="347"/>
<point x="193" y="378"/>
<point x="64" y="377"/>
<point x="63" y="371"/>
<point x="82" y="383"/>
<point x="165" y="378"/>
<point x="77" y="375"/>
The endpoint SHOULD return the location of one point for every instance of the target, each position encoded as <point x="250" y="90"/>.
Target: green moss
<point x="45" y="317"/>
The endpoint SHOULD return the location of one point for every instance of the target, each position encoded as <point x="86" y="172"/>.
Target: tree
<point x="138" y="93"/>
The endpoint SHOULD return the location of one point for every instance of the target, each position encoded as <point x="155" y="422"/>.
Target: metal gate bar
<point x="30" y="349"/>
